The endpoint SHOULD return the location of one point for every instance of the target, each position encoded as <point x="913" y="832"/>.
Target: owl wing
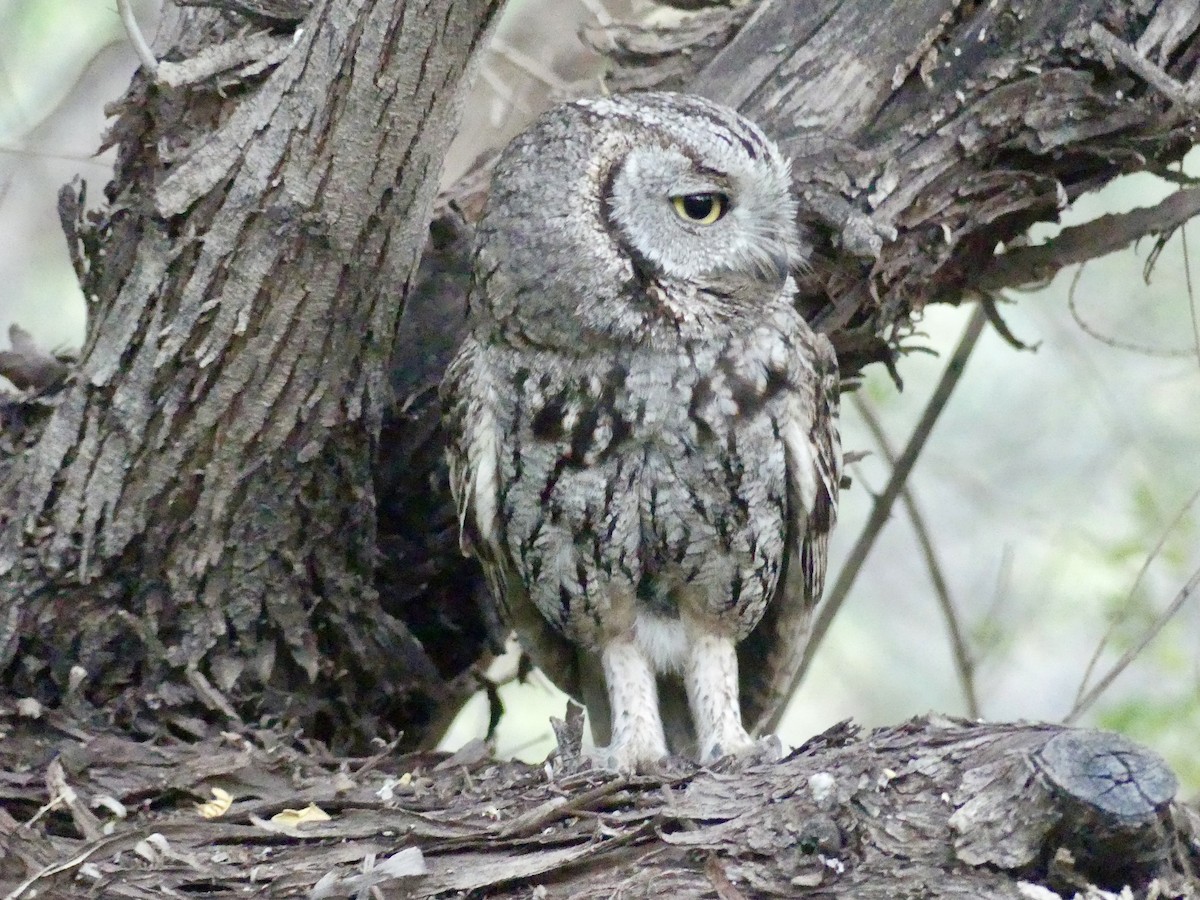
<point x="769" y="658"/>
<point x="474" y="441"/>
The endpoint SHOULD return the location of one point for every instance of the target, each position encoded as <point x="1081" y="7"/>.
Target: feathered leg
<point x="637" y="730"/>
<point x="711" y="678"/>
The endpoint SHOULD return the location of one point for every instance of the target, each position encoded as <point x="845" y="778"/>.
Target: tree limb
<point x="1105" y="234"/>
<point x="948" y="808"/>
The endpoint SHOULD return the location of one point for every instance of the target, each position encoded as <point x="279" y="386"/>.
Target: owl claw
<point x="627" y="757"/>
<point x="732" y="743"/>
<point x="767" y="749"/>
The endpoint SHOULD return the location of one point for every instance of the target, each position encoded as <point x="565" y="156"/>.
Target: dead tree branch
<point x="941" y="807"/>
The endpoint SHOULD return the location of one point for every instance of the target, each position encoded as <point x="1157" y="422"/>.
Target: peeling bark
<point x="933" y="808"/>
<point x="195" y="528"/>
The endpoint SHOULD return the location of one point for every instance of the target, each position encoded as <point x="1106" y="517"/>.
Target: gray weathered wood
<point x="188" y="530"/>
<point x="195" y="528"/>
<point x="932" y="808"/>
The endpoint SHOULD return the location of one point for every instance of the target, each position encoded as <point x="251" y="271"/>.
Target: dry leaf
<point x="310" y="813"/>
<point x="217" y="806"/>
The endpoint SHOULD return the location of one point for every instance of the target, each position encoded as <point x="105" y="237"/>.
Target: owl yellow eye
<point x="703" y="209"/>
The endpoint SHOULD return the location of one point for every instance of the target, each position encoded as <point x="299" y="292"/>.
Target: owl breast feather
<point x="653" y="484"/>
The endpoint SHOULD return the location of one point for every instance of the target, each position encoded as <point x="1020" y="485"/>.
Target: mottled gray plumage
<point x="643" y="443"/>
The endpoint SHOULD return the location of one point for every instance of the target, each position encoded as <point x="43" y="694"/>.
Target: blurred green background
<point x="1049" y="481"/>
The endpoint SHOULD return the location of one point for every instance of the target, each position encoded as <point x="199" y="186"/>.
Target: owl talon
<point x="637" y="736"/>
<point x="767" y="749"/>
<point x="630" y="754"/>
<point x="770" y="748"/>
<point x="733" y="744"/>
<point x="628" y="758"/>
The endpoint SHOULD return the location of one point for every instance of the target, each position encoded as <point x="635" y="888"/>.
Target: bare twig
<point x="598" y="11"/>
<point x="140" y="47"/>
<point x="506" y="96"/>
<point x="990" y="618"/>
<point x="963" y="664"/>
<point x="113" y="843"/>
<point x="58" y="787"/>
<point x="1086" y="702"/>
<point x="1082" y="701"/>
<point x="1152" y="74"/>
<point x="1108" y="340"/>
<point x="1187" y="279"/>
<point x="532" y="67"/>
<point x="560" y="807"/>
<point x="1104" y="234"/>
<point x="900" y="472"/>
<point x="46" y="154"/>
<point x="988" y="302"/>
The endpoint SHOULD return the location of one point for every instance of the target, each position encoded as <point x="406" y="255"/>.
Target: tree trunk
<point x="194" y="530"/>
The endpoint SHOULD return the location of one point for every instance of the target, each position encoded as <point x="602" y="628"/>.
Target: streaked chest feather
<point x="660" y="481"/>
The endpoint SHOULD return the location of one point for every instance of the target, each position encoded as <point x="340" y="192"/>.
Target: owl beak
<point x="781" y="263"/>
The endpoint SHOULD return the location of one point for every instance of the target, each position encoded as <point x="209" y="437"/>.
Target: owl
<point x="642" y="429"/>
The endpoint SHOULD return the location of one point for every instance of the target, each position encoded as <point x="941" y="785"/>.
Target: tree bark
<point x="194" y="530"/>
<point x="932" y="808"/>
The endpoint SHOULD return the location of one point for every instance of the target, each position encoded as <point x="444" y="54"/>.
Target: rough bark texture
<point x="195" y="528"/>
<point x="932" y="809"/>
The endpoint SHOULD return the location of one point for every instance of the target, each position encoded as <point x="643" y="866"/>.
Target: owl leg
<point x="711" y="678"/>
<point x="637" y="731"/>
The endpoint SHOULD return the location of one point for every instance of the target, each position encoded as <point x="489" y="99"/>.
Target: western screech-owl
<point x="643" y="443"/>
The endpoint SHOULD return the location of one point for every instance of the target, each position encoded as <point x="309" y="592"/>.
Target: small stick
<point x="884" y="502"/>
<point x="140" y="47"/>
<point x="958" y="642"/>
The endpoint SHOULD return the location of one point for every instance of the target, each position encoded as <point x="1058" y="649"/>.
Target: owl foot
<point x="711" y="680"/>
<point x="732" y="741"/>
<point x="628" y="757"/>
<point x="638" y="742"/>
<point x="767" y="749"/>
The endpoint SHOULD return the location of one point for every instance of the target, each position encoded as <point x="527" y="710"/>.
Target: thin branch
<point x="900" y="472"/>
<point x="598" y="11"/>
<point x="963" y="664"/>
<point x="988" y="302"/>
<point x="1102" y="235"/>
<point x="110" y="843"/>
<point x="140" y="47"/>
<point x="1088" y="700"/>
<point x="46" y="154"/>
<point x="1177" y="93"/>
<point x="1080" y="705"/>
<point x="1187" y="280"/>
<point x="991" y="615"/>
<point x="1115" y="343"/>
<point x="532" y="67"/>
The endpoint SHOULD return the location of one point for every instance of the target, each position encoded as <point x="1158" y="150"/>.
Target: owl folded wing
<point x="473" y="450"/>
<point x="769" y="659"/>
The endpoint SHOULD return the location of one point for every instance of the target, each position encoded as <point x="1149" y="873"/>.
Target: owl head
<point x="641" y="218"/>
